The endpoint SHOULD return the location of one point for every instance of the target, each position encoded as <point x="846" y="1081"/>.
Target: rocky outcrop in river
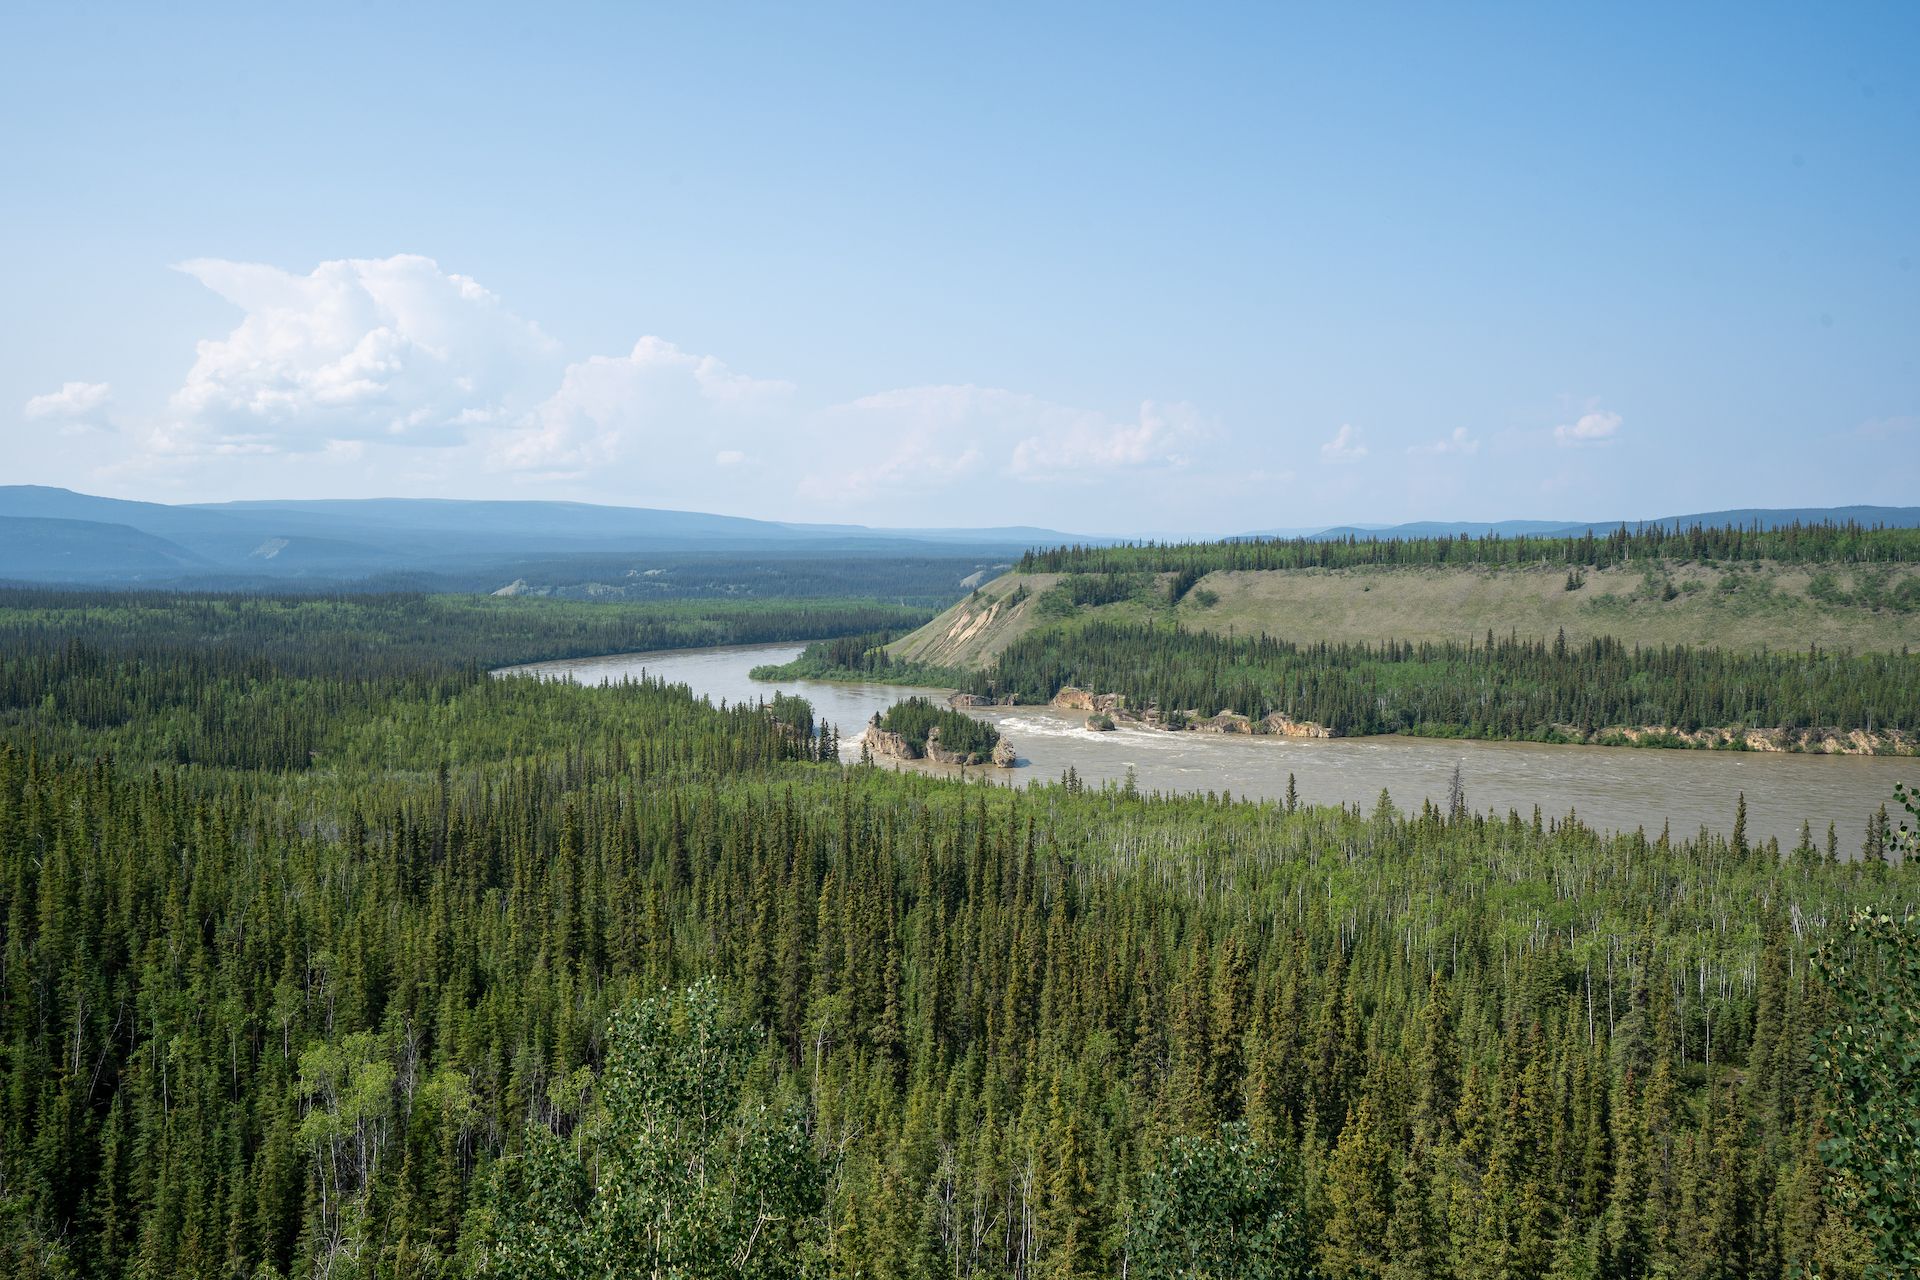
<point x="962" y="701"/>
<point x="1071" y="698"/>
<point x="885" y="743"/>
<point x="1224" y="722"/>
<point x="940" y="755"/>
<point x="1107" y="710"/>
<point x="1825" y="742"/>
<point x="1286" y="726"/>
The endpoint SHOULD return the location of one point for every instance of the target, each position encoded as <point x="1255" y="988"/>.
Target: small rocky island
<point x="915" y="729"/>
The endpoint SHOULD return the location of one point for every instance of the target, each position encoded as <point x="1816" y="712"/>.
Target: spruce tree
<point x="1358" y="1189"/>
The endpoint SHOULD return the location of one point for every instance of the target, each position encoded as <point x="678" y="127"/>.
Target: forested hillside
<point x="379" y="1012"/>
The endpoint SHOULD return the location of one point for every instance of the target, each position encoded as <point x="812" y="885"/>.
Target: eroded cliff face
<point x="940" y="755"/>
<point x="886" y="743"/>
<point x="974" y="630"/>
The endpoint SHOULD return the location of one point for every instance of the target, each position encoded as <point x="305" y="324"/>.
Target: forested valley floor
<point x="325" y="954"/>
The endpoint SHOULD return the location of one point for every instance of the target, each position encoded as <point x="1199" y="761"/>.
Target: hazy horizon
<point x="1092" y="271"/>
<point x="1363" y="524"/>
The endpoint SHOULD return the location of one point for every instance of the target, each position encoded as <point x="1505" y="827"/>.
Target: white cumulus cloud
<point x="411" y="373"/>
<point x="1593" y="427"/>
<point x="657" y="397"/>
<point x="1344" y="447"/>
<point x="379" y="349"/>
<point x="73" y="400"/>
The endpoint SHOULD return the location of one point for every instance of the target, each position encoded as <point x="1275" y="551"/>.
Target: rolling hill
<point x="37" y="547"/>
<point x="347" y="540"/>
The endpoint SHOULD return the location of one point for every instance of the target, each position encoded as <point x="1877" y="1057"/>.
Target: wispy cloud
<point x="1458" y="442"/>
<point x="1344" y="447"/>
<point x="72" y="401"/>
<point x="1079" y="442"/>
<point x="1877" y="428"/>
<point x="918" y="437"/>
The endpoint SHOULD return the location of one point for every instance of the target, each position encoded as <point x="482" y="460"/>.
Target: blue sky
<point x="1183" y="268"/>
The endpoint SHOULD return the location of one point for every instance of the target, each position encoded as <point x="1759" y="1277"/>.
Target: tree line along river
<point x="1612" y="788"/>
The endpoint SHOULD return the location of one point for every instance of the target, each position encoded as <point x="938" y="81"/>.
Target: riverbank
<point x="1108" y="711"/>
<point x="1610" y="789"/>
<point x="1112" y="708"/>
<point x="915" y="674"/>
<point x="1600" y="693"/>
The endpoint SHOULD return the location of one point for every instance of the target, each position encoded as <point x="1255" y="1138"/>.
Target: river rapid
<point x="1611" y="788"/>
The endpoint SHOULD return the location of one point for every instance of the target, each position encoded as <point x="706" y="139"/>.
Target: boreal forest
<point x="959" y="642"/>
<point x="1823" y="542"/>
<point x="326" y="953"/>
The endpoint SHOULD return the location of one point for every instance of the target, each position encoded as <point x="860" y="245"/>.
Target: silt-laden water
<point x="1612" y="788"/>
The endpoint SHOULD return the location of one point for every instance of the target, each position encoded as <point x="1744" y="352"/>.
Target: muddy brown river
<point x="1613" y="788"/>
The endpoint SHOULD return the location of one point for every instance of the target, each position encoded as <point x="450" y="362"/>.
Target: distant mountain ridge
<point x="84" y="538"/>
<point x="57" y="535"/>
<point x="58" y="550"/>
